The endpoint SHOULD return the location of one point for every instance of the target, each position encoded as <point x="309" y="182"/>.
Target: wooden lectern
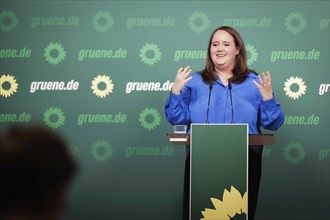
<point x="254" y="139"/>
<point x="219" y="168"/>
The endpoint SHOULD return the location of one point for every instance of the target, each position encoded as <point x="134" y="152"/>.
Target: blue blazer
<point x="190" y="106"/>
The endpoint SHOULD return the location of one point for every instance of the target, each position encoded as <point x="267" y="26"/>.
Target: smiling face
<point x="223" y="51"/>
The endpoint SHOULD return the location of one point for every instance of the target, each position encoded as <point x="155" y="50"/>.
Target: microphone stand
<point x="231" y="102"/>
<point x="208" y="104"/>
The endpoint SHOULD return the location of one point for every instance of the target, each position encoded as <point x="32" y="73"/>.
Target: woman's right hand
<point x="181" y="79"/>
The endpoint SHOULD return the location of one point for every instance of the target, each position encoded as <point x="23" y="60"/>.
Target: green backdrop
<point x="100" y="72"/>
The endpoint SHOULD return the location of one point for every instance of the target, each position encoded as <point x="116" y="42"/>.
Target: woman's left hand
<point x="265" y="86"/>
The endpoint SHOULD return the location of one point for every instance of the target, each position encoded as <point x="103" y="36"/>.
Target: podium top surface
<point x="254" y="139"/>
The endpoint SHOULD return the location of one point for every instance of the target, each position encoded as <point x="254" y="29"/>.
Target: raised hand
<point x="265" y="86"/>
<point x="181" y="79"/>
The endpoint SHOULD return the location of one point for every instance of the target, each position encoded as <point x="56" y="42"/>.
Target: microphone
<point x="231" y="102"/>
<point x="208" y="104"/>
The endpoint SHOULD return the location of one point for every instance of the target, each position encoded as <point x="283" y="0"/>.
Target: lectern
<point x="219" y="169"/>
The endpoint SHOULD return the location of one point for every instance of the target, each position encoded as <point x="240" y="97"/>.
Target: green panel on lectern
<point x="219" y="162"/>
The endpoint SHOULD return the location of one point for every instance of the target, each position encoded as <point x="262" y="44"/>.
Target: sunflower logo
<point x="102" y="21"/>
<point x="97" y="83"/>
<point x="294" y="81"/>
<point x="146" y="115"/>
<point x="198" y="22"/>
<point x="54" y="53"/>
<point x="295" y="22"/>
<point x="73" y="149"/>
<point x="54" y="118"/>
<point x="8" y="79"/>
<point x="101" y="151"/>
<point x="253" y="54"/>
<point x="294" y="153"/>
<point x="8" y="21"/>
<point x="150" y="54"/>
<point x="232" y="205"/>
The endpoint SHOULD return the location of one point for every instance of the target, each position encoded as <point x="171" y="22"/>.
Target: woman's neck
<point x="224" y="75"/>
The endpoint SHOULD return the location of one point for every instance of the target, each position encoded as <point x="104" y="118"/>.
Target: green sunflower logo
<point x="8" y="21"/>
<point x="294" y="153"/>
<point x="96" y="83"/>
<point x="101" y="151"/>
<point x="295" y="22"/>
<point x="102" y="21"/>
<point x="150" y="118"/>
<point x="54" y="117"/>
<point x="198" y="22"/>
<point x="54" y="53"/>
<point x="150" y="54"/>
<point x="294" y="81"/>
<point x="253" y="54"/>
<point x="12" y="88"/>
<point x="233" y="204"/>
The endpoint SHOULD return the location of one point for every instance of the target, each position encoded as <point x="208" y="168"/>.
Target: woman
<point x="252" y="100"/>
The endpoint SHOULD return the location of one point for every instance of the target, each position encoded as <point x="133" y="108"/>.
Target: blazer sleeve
<point x="270" y="114"/>
<point x="177" y="106"/>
